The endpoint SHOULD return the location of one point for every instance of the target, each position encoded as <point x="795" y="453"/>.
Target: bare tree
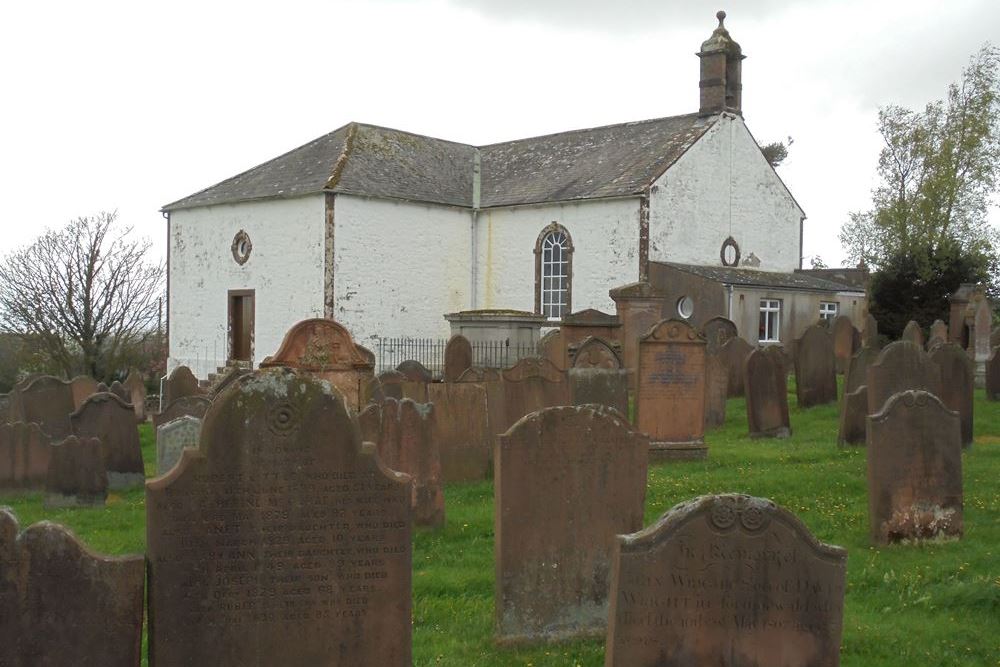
<point x="85" y="295"/>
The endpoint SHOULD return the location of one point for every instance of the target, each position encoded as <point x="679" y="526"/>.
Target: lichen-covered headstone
<point x="901" y="366"/>
<point x="112" y="420"/>
<point x="726" y="581"/>
<point x="173" y="438"/>
<point x="914" y="469"/>
<point x="308" y="537"/>
<point x="76" y="475"/>
<point x="767" y="393"/>
<point x="957" y="384"/>
<point x="567" y="481"/>
<point x="62" y="604"/>
<point x="191" y="406"/>
<point x="25" y="452"/>
<point x="815" y="368"/>
<point x="457" y="357"/>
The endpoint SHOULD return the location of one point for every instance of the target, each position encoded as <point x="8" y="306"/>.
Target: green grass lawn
<point x="913" y="606"/>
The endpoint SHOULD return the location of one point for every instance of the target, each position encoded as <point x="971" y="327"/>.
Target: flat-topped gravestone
<point x="462" y="429"/>
<point x="913" y="333"/>
<point x="191" y="406"/>
<point x="567" y="481"/>
<point x="599" y="386"/>
<point x="670" y="396"/>
<point x="531" y="384"/>
<point x="325" y="349"/>
<point x="48" y="402"/>
<point x="733" y="353"/>
<point x="815" y="368"/>
<point x="596" y="352"/>
<point x="457" y="357"/>
<point x="173" y="438"/>
<point x="900" y="366"/>
<point x="726" y="581"/>
<point x="845" y="341"/>
<point x="957" y="384"/>
<point x="62" y="604"/>
<point x="25" y="452"/>
<point x="993" y="375"/>
<point x="307" y="535"/>
<point x="914" y="469"/>
<point x="136" y="389"/>
<point x="76" y="475"/>
<point x="179" y="384"/>
<point x="716" y="390"/>
<point x="82" y="387"/>
<point x="767" y="393"/>
<point x="112" y="420"/>
<point x="718" y="331"/>
<point x="853" y="417"/>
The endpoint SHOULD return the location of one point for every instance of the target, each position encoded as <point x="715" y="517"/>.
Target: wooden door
<point x="241" y="325"/>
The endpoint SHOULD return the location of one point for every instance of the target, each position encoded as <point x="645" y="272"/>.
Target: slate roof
<point x="610" y="161"/>
<point x="729" y="275"/>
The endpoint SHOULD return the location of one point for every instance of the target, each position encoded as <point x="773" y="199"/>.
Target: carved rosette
<point x="751" y="514"/>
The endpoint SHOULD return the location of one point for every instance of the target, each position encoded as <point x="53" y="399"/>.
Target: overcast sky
<point x="129" y="105"/>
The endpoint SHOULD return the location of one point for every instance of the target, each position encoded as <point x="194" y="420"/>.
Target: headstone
<point x="388" y="384"/>
<point x="76" y="475"/>
<point x="553" y="347"/>
<point x="311" y="536"/>
<point x="845" y="342"/>
<point x="415" y="372"/>
<point x="853" y="415"/>
<point x="733" y="353"/>
<point x="727" y="581"/>
<point x="457" y="357"/>
<point x="118" y="389"/>
<point x="957" y="384"/>
<point x="900" y="366"/>
<point x="531" y="384"/>
<point x="914" y="469"/>
<point x="568" y="480"/>
<point x="938" y="334"/>
<point x="815" y="368"/>
<point x="857" y="370"/>
<point x="48" y="402"/>
<point x="993" y="376"/>
<point x="599" y="386"/>
<point x="767" y="393"/>
<point x="5" y="408"/>
<point x="670" y="400"/>
<point x="370" y="423"/>
<point x="231" y="376"/>
<point x="869" y="334"/>
<point x="462" y="429"/>
<point x="179" y="384"/>
<point x="112" y="420"/>
<point x="136" y="389"/>
<point x="82" y="387"/>
<point x="25" y="452"/>
<point x="173" y="438"/>
<point x="480" y="374"/>
<point x="716" y="390"/>
<point x="596" y="353"/>
<point x="101" y="389"/>
<point x="995" y="337"/>
<point x="387" y="445"/>
<point x="62" y="604"/>
<point x="420" y="458"/>
<point x="981" y="340"/>
<point x="323" y="348"/>
<point x="191" y="406"/>
<point x="718" y="331"/>
<point x="913" y="333"/>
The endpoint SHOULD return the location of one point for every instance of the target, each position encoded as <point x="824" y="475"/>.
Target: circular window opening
<point x="242" y="247"/>
<point x="730" y="253"/>
<point x="685" y="307"/>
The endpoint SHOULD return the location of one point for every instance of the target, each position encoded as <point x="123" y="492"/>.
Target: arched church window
<point x="553" y="272"/>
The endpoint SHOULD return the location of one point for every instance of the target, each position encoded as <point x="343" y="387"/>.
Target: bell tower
<point x="721" y="70"/>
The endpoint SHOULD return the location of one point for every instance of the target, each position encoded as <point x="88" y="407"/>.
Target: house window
<point x="828" y="310"/>
<point x="553" y="272"/>
<point x="770" y="321"/>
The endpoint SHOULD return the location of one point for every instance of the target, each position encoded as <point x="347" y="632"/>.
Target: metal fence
<point x="390" y="352"/>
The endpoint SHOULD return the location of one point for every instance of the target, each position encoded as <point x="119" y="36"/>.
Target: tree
<point x="776" y="152"/>
<point x="86" y="296"/>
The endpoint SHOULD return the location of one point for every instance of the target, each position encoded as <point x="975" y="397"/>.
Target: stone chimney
<point x="721" y="65"/>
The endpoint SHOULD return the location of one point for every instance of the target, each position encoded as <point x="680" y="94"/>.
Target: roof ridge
<point x="415" y="134"/>
<point x="591" y="129"/>
<point x="338" y="166"/>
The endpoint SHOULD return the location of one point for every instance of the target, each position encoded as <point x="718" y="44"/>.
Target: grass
<point x="933" y="604"/>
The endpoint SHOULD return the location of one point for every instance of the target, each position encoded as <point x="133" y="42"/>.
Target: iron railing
<point x="390" y="352"/>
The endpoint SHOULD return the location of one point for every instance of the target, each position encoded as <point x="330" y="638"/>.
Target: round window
<point x="730" y="252"/>
<point x="242" y="247"/>
<point x="685" y="307"/>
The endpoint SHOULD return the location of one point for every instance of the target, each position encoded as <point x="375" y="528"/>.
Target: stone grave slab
<point x="900" y="366"/>
<point x="76" y="475"/>
<point x="462" y="429"/>
<point x="457" y="357"/>
<point x="958" y="373"/>
<point x="173" y="438"/>
<point x="767" y="393"/>
<point x="815" y="368"/>
<point x="25" y="452"/>
<point x="733" y="353"/>
<point x="112" y="420"/>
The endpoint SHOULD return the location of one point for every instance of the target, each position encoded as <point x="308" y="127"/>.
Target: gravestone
<point x="173" y="438"/>
<point x="136" y="389"/>
<point x="232" y="375"/>
<point x="415" y="371"/>
<point x="815" y="368"/>
<point x="993" y="376"/>
<point x="913" y="333"/>
<point x="190" y="406"/>
<point x="370" y="423"/>
<point x="568" y="480"/>
<point x="48" y="402"/>
<point x="457" y="357"/>
<point x="308" y="534"/>
<point x="857" y="370"/>
<point x="118" y="389"/>
<point x="914" y="469"/>
<point x="845" y="342"/>
<point x="552" y="346"/>
<point x="387" y="445"/>
<point x="420" y="458"/>
<point x="25" y="452"/>
<point x="596" y="352"/>
<point x="733" y="353"/>
<point x="388" y="384"/>
<point x="718" y="331"/>
<point x="531" y="384"/>
<point x="726" y="581"/>
<point x="900" y="366"/>
<point x="716" y="390"/>
<point x="853" y="416"/>
<point x="179" y="384"/>
<point x="981" y="340"/>
<point x="112" y="420"/>
<point x="938" y="335"/>
<point x="82" y="387"/>
<point x="599" y="386"/>
<point x="62" y="604"/>
<point x="869" y="334"/>
<point x="76" y="475"/>
<point x="5" y="408"/>
<point x="957" y="384"/>
<point x="670" y="399"/>
<point x="462" y="429"/>
<point x="767" y="393"/>
<point x="480" y="374"/>
<point x="323" y="348"/>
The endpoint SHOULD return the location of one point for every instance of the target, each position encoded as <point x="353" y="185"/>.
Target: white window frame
<point x="826" y="312"/>
<point x="555" y="274"/>
<point x="770" y="317"/>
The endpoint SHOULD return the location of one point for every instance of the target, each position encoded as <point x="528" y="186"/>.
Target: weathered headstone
<point x="179" y="384"/>
<point x="845" y="342"/>
<point x="767" y="393"/>
<point x="993" y="375"/>
<point x="857" y="370"/>
<point x="718" y="331"/>
<point x="457" y="357"/>
<point x="76" y="475"/>
<point x="192" y="406"/>
<point x="480" y="374"/>
<point x="48" y="402"/>
<point x="957" y="384"/>
<point x="568" y="480"/>
<point x="173" y="438"/>
<point x="462" y="429"/>
<point x="815" y="368"/>
<point x="5" y="400"/>
<point x="733" y="353"/>
<point x="900" y="366"/>
<point x="727" y="581"/>
<point x="914" y="469"/>
<point x="370" y="423"/>
<point x="118" y="389"/>
<point x="913" y="333"/>
<point x="388" y="384"/>
<point x="231" y="376"/>
<point x="869" y="334"/>
<point x="420" y="458"/>
<point x="62" y="604"/>
<point x="136" y="389"/>
<point x="531" y="384"/>
<point x="853" y="416"/>
<point x="938" y="335"/>
<point x="415" y="371"/>
<point x="599" y="386"/>
<point x="25" y="452"/>
<point x="670" y="399"/>
<point x="82" y="387"/>
<point x="313" y="532"/>
<point x="716" y="390"/>
<point x="112" y="420"/>
<point x="552" y="346"/>
<point x="596" y="352"/>
<point x="981" y="340"/>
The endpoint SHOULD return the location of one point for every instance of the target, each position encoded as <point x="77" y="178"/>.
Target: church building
<point x="387" y="231"/>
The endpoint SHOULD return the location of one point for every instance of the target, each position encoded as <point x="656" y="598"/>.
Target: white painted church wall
<point x="605" y="235"/>
<point x="285" y="268"/>
<point x="399" y="267"/>
<point x="723" y="186"/>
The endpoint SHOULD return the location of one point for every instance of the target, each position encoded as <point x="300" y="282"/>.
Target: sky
<point x="128" y="106"/>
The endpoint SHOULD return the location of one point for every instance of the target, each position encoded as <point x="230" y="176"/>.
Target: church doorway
<point x="241" y="324"/>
